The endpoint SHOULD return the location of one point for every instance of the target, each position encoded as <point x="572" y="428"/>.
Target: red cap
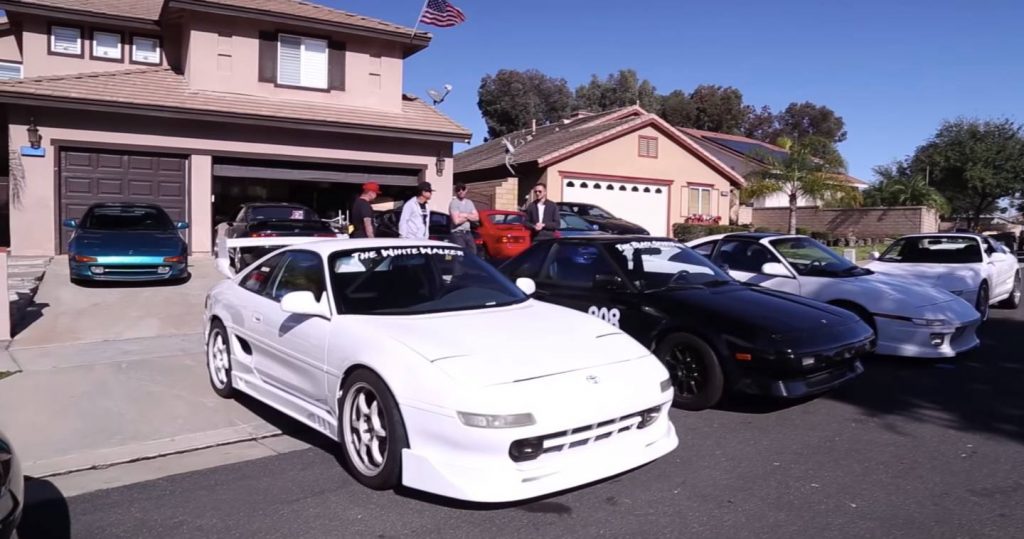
<point x="371" y="186"/>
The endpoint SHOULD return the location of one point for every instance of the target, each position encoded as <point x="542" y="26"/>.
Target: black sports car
<point x="714" y="334"/>
<point x="605" y="221"/>
<point x="12" y="489"/>
<point x="268" y="219"/>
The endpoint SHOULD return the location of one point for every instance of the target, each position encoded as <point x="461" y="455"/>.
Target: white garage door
<point x="641" y="203"/>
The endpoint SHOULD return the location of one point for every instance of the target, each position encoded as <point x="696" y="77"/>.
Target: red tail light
<point x="264" y="234"/>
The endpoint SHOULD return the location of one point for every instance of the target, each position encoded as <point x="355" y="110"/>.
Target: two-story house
<point x="201" y="105"/>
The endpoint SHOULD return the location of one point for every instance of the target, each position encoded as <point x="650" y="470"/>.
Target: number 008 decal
<point x="604" y="313"/>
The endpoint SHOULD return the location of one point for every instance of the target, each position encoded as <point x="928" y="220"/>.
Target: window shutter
<point x="652" y="147"/>
<point x="66" y="40"/>
<point x="289" y="60"/>
<point x="268" y="57"/>
<point x="314" y="63"/>
<point x="336" y="69"/>
<point x="106" y="45"/>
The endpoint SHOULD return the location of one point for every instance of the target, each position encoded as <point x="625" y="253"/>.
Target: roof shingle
<point x="148" y="10"/>
<point x="161" y="87"/>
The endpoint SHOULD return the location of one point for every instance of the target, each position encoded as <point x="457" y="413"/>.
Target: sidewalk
<point x="85" y="406"/>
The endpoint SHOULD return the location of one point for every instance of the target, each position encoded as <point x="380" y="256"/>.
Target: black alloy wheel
<point x="694" y="370"/>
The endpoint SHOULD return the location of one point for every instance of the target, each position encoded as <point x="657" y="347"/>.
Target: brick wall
<point x="858" y="222"/>
<point x="494" y="194"/>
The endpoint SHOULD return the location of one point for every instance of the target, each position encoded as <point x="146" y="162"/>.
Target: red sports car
<point x="501" y="234"/>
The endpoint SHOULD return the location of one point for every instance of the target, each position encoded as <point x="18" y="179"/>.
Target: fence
<point x="855" y="222"/>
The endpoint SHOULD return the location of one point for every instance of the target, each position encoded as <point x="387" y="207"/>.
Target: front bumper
<point x="897" y="337"/>
<point x="128" y="268"/>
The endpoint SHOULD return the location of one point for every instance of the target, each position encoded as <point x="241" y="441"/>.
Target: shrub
<point x="823" y="236"/>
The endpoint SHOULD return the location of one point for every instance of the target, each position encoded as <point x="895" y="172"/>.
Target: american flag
<point x="441" y="13"/>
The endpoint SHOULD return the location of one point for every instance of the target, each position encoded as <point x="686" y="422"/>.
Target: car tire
<point x="218" y="360"/>
<point x="1013" y="301"/>
<point x="981" y="302"/>
<point x="371" y="430"/>
<point x="694" y="369"/>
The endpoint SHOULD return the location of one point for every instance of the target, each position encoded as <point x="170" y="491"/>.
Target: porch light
<point x="439" y="164"/>
<point x="34" y="139"/>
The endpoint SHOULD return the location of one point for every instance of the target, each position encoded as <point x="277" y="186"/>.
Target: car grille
<point x="587" y="434"/>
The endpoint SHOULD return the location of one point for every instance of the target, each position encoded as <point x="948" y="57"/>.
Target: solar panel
<point x="750" y="149"/>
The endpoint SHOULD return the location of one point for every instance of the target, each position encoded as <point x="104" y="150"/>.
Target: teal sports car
<point x="126" y="242"/>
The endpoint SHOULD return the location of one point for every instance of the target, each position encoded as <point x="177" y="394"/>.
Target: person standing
<point x="362" y="212"/>
<point x="463" y="212"/>
<point x="542" y="214"/>
<point x="414" y="224"/>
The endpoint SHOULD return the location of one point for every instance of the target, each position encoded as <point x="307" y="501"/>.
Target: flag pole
<point x="418" y="17"/>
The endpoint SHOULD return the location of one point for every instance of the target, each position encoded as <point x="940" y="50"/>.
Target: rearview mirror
<point x="607" y="281"/>
<point x="527" y="285"/>
<point x="70" y="223"/>
<point x="304" y="303"/>
<point x="775" y="269"/>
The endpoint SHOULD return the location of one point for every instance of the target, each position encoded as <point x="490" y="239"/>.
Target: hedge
<point x="688" y="232"/>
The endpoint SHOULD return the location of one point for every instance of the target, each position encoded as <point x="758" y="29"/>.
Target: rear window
<point x="282" y="213"/>
<point x="126" y="218"/>
<point x="507" y="218"/>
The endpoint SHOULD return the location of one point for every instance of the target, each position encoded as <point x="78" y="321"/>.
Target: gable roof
<point x="142" y="10"/>
<point x="558" y="141"/>
<point x="161" y="91"/>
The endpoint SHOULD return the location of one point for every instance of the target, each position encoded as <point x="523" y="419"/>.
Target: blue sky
<point x="892" y="69"/>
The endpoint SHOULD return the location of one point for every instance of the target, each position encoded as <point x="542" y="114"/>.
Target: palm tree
<point x="898" y="186"/>
<point x="800" y="174"/>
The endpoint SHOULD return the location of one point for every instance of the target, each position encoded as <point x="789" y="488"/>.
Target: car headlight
<point x="929" y="321"/>
<point x="666" y="385"/>
<point x="493" y="421"/>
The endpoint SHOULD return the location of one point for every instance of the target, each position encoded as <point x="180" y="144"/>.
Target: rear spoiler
<point x="224" y="246"/>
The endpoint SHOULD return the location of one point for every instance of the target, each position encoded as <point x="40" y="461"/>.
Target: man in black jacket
<point x="542" y="214"/>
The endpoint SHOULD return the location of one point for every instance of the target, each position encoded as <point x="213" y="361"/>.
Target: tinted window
<point x="506" y="218"/>
<point x="257" y="279"/>
<point x="706" y="248"/>
<point x="656" y="264"/>
<point x="811" y="258"/>
<point x="577" y="264"/>
<point x="527" y="264"/>
<point x="126" y="218"/>
<point x="282" y="213"/>
<point x="594" y="211"/>
<point x="933" y="250"/>
<point x="573" y="221"/>
<point x="302" y="271"/>
<point x="741" y="255"/>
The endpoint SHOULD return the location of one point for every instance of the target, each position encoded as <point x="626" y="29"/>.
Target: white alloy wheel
<point x="364" y="430"/>
<point x="218" y="361"/>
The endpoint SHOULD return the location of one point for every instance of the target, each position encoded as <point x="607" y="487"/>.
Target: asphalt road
<point x="911" y="449"/>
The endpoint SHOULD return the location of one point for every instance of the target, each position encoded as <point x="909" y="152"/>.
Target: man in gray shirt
<point x="462" y="213"/>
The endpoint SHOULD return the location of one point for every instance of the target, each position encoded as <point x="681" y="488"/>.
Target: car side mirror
<point x="875" y="255"/>
<point x="181" y="225"/>
<point x="607" y="281"/>
<point x="70" y="223"/>
<point x="304" y="303"/>
<point x="775" y="269"/>
<point x="527" y="285"/>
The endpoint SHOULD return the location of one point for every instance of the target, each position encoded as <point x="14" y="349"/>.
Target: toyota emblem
<point x="593" y="379"/>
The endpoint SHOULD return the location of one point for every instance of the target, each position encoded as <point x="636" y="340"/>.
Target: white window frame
<point x="21" y="69"/>
<point x="699" y="191"/>
<point x="302" y="48"/>
<point x="159" y="50"/>
<point x="120" y="46"/>
<point x="53" y="40"/>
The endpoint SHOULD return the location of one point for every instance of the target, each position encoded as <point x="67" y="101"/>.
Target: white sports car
<point x="435" y="371"/>
<point x="909" y="319"/>
<point x="972" y="266"/>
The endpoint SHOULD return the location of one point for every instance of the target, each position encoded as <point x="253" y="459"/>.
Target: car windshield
<point x="127" y="218"/>
<point x="574" y="222"/>
<point x="812" y="259"/>
<point x="282" y="213"/>
<point x="934" y="250"/>
<point x="654" y="265"/>
<point x="416" y="280"/>
<point x="506" y="218"/>
<point x="594" y="211"/>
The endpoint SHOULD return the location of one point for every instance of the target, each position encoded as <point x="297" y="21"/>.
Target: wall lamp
<point x="439" y="165"/>
<point x="34" y="139"/>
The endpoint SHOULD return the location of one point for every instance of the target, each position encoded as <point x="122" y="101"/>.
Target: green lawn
<point x="864" y="252"/>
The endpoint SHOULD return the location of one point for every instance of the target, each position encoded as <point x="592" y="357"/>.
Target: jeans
<point x="464" y="240"/>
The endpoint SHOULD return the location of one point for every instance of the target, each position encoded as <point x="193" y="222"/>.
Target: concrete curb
<point x="7" y="362"/>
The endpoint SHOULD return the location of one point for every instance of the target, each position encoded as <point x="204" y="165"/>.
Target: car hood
<point x="911" y="293"/>
<point x="142" y="243"/>
<point x="947" y="276"/>
<point x="521" y="342"/>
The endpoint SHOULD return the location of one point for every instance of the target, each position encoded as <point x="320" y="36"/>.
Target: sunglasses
<point x="538" y="191"/>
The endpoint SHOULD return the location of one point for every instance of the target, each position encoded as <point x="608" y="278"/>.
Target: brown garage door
<point x="88" y="176"/>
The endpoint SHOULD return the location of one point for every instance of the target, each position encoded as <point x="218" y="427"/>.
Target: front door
<point x="745" y="260"/>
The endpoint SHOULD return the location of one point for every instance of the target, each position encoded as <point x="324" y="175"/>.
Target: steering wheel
<point x="816" y="263"/>
<point x="680" y="273"/>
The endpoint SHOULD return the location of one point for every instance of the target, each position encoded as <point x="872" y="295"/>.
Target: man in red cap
<point x="362" y="213"/>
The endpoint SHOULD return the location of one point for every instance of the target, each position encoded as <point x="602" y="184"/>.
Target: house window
<point x="9" y="70"/>
<point x="302" y="61"/>
<point x="699" y="201"/>
<point x="106" y="45"/>
<point x="648" y="146"/>
<point x="145" y="50"/>
<point x="66" y="40"/>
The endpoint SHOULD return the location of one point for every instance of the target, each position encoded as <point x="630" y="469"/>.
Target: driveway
<point x="70" y="314"/>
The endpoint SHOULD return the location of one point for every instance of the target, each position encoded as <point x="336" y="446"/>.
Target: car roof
<point x="501" y="212"/>
<point x="945" y="234"/>
<point x="266" y="204"/>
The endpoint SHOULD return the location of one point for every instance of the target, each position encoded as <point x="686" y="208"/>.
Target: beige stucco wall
<point x="34" y="207"/>
<point x="9" y="50"/>
<point x="223" y="55"/>
<point x="619" y="157"/>
<point x="36" y="46"/>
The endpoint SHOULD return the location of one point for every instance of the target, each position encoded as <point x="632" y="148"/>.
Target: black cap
<point x="425" y="187"/>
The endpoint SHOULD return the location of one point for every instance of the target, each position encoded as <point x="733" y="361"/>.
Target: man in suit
<point x="542" y="214"/>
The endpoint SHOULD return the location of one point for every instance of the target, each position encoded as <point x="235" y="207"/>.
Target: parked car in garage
<point x="116" y="241"/>
<point x="501" y="234"/>
<point x="272" y="219"/>
<point x="981" y="271"/>
<point x="570" y="224"/>
<point x="12" y="489"/>
<point x="714" y="335"/>
<point x="605" y="221"/>
<point x="909" y="319"/>
<point x="432" y="370"/>
<point x="385" y="224"/>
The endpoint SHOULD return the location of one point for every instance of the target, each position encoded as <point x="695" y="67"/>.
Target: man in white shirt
<point x="542" y="214"/>
<point x="414" y="223"/>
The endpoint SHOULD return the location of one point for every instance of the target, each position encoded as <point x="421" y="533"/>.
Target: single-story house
<point x="202" y="105"/>
<point x="627" y="161"/>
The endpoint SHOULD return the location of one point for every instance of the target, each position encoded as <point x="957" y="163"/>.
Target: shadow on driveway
<point x="46" y="514"/>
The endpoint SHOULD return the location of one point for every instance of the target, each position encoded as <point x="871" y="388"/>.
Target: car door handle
<point x="257" y="318"/>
